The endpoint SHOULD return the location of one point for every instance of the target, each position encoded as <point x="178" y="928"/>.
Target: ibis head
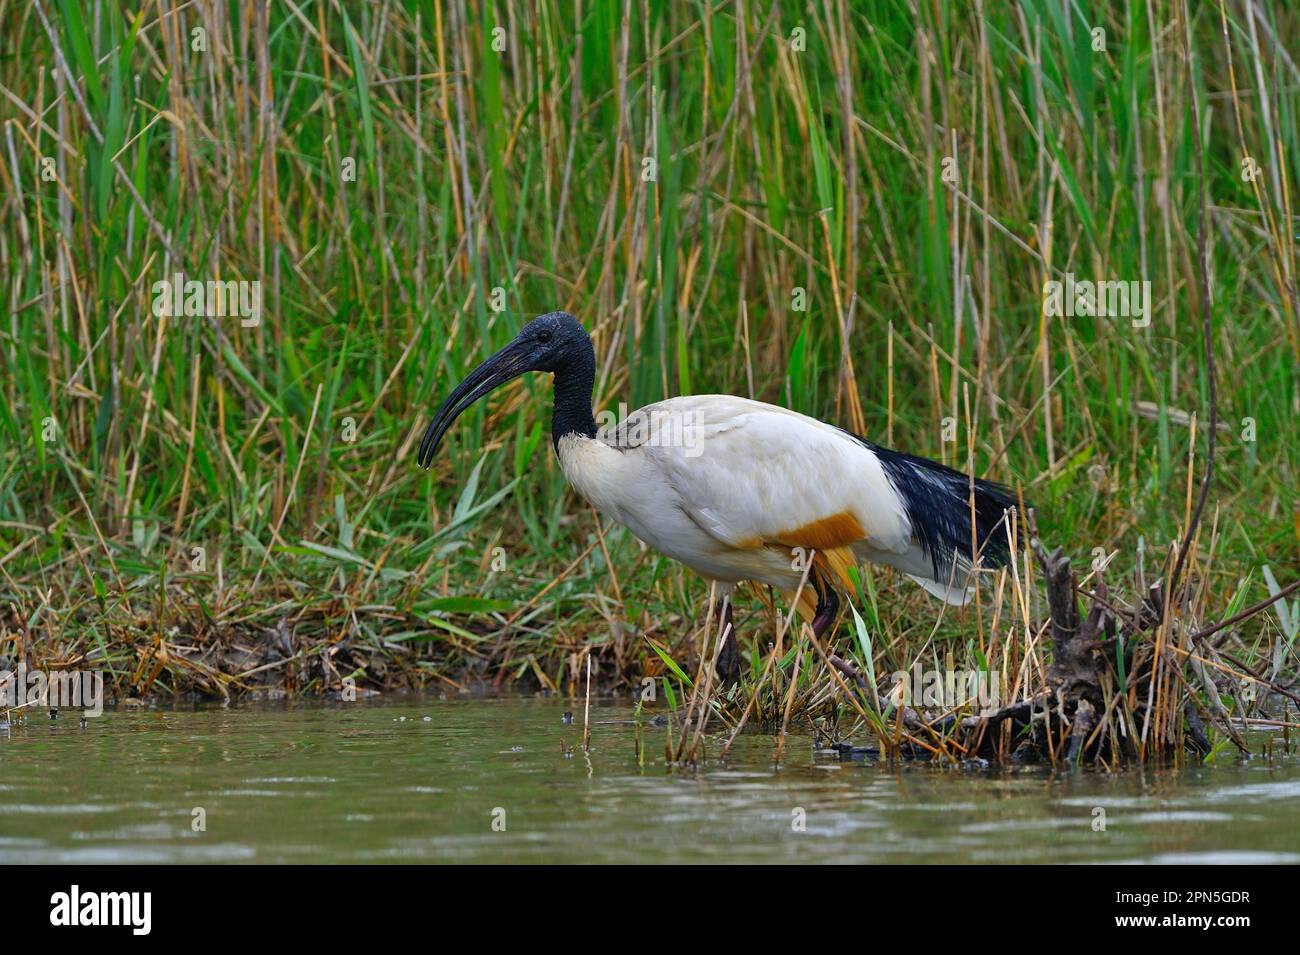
<point x="555" y="342"/>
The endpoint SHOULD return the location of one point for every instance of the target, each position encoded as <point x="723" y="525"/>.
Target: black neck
<point x="573" y="385"/>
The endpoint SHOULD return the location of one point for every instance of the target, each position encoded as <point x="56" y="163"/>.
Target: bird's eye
<point x="544" y="337"/>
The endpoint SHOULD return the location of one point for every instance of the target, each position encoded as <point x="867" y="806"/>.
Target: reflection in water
<point x="507" y="780"/>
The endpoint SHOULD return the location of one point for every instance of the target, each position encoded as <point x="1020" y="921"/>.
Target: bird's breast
<point x="626" y="486"/>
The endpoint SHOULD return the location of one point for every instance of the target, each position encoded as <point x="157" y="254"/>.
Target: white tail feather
<point x="953" y="595"/>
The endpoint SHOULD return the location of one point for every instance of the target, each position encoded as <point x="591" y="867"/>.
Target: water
<point x="424" y="780"/>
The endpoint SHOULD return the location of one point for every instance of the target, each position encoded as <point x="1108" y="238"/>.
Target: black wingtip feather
<point x="937" y="499"/>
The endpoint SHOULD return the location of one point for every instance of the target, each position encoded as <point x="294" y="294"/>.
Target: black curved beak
<point x="507" y="364"/>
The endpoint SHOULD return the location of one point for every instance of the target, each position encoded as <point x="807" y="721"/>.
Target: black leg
<point x="729" y="657"/>
<point x="828" y="606"/>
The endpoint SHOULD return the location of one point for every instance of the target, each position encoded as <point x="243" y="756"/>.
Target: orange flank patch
<point x="838" y="530"/>
<point x="833" y="567"/>
<point x="831" y="540"/>
<point x="836" y="563"/>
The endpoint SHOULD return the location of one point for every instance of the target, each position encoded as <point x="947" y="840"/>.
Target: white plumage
<point x="730" y="486"/>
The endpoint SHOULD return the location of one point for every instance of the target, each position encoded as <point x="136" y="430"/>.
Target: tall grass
<point x="683" y="177"/>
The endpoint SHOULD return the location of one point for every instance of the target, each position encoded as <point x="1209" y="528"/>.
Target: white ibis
<point x="741" y="490"/>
